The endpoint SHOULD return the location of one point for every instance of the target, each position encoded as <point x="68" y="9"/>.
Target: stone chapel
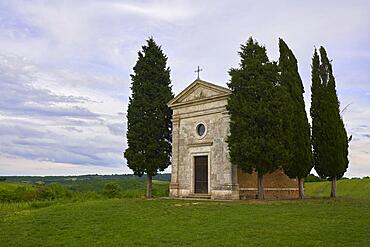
<point x="200" y="160"/>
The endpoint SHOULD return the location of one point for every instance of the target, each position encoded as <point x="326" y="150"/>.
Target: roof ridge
<point x="193" y="84"/>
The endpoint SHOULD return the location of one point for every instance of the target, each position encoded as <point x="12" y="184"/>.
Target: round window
<point x="201" y="129"/>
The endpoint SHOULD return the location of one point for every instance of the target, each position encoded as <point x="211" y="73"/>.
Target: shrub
<point x="23" y="193"/>
<point x="52" y="191"/>
<point x="112" y="190"/>
<point x="6" y="196"/>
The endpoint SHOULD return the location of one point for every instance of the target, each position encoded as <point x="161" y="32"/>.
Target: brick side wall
<point x="277" y="185"/>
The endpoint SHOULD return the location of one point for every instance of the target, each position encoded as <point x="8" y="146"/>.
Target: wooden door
<point x="201" y="174"/>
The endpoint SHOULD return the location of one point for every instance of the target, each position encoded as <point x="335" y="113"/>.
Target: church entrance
<point x="201" y="174"/>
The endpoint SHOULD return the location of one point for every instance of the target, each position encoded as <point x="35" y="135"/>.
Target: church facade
<point x="200" y="160"/>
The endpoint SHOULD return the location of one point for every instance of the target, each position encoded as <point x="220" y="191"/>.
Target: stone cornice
<point x="200" y="144"/>
<point x="220" y="109"/>
<point x="199" y="101"/>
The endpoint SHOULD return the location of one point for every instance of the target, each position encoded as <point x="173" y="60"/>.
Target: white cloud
<point x="26" y="167"/>
<point x="65" y="65"/>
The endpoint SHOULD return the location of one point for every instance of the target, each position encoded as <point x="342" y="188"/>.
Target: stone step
<point x="199" y="196"/>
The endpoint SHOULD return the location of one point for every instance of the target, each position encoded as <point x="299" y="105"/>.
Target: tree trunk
<point x="261" y="189"/>
<point x="149" y="188"/>
<point x="301" y="188"/>
<point x="334" y="187"/>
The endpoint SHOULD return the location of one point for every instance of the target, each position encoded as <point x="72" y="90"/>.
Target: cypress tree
<point x="329" y="137"/>
<point x="296" y="126"/>
<point x="148" y="116"/>
<point x="254" y="105"/>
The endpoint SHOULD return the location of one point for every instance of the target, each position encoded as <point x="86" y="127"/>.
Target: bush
<point x="20" y="194"/>
<point x="112" y="190"/>
<point x="23" y="193"/>
<point x="6" y="196"/>
<point x="52" y="191"/>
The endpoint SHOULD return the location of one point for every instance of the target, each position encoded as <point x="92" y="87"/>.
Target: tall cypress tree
<point x="255" y="120"/>
<point x="329" y="137"/>
<point x="296" y="126"/>
<point x="148" y="116"/>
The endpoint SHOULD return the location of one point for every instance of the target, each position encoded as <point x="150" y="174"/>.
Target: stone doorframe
<point x="192" y="179"/>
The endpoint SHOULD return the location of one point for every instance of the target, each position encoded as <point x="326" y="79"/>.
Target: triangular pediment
<point x="199" y="91"/>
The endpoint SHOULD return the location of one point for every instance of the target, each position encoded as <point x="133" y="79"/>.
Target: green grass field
<point x="349" y="188"/>
<point x="162" y="222"/>
<point x="137" y="222"/>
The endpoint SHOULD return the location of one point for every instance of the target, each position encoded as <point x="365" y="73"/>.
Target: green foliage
<point x="312" y="178"/>
<point x="133" y="222"/>
<point x="82" y="179"/>
<point x="329" y="137"/>
<point x="17" y="193"/>
<point x="92" y="190"/>
<point x="24" y="193"/>
<point x="148" y="116"/>
<point x="21" y="193"/>
<point x="112" y="190"/>
<point x="255" y="108"/>
<point x="52" y="192"/>
<point x="296" y="127"/>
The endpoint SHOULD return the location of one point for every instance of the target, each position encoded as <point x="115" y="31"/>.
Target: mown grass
<point x="89" y="221"/>
<point x="349" y="188"/>
<point x="138" y="222"/>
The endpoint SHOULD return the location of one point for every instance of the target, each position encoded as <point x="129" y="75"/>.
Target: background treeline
<point x="79" y="190"/>
<point x="93" y="178"/>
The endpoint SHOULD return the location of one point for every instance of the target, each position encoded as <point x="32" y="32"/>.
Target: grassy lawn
<point x="349" y="188"/>
<point x="316" y="221"/>
<point x="138" y="222"/>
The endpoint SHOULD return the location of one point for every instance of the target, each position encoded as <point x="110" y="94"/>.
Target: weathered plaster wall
<point x="189" y="144"/>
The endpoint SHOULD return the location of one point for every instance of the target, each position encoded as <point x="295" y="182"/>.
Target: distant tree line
<point x="92" y="178"/>
<point x="81" y="191"/>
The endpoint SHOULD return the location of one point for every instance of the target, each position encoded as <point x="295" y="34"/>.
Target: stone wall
<point x="213" y="144"/>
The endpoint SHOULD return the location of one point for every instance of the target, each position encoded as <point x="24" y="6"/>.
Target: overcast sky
<point x="65" y="66"/>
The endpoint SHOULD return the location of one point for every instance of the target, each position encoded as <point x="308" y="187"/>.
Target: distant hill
<point x="78" y="179"/>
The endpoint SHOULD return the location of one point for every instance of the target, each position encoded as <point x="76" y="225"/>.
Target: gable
<point x="199" y="91"/>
